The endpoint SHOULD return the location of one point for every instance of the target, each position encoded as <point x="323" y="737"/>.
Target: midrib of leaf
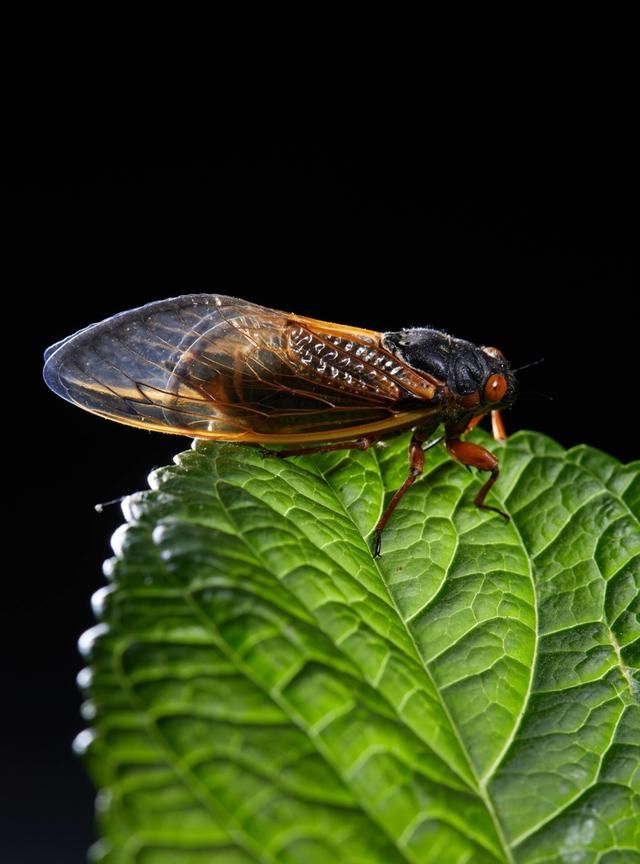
<point x="480" y="789"/>
<point x="323" y="752"/>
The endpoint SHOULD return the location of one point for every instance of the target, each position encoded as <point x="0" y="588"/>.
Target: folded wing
<point x="212" y="366"/>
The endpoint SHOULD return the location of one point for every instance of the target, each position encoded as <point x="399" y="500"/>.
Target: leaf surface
<point x="261" y="690"/>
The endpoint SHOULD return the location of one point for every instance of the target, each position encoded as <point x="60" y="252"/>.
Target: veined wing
<point x="211" y="366"/>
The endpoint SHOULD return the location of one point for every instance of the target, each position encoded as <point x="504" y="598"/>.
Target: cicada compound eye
<point x="496" y="388"/>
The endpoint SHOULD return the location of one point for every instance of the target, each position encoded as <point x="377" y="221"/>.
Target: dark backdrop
<point x="515" y="238"/>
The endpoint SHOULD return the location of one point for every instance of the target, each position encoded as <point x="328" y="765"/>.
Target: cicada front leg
<point x="497" y="425"/>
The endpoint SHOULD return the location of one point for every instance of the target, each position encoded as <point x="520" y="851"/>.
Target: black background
<point x="515" y="237"/>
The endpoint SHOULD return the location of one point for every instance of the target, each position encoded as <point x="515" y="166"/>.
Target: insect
<point x="220" y="368"/>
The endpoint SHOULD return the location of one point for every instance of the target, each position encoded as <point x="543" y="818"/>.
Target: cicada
<point x="220" y="368"/>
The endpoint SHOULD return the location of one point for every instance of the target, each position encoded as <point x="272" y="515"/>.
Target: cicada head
<point x="476" y="379"/>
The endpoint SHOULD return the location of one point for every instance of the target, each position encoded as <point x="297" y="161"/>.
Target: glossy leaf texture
<point x="261" y="690"/>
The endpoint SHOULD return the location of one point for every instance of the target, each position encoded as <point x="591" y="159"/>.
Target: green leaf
<point x="261" y="690"/>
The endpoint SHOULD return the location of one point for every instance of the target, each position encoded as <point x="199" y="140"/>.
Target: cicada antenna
<point x="529" y="365"/>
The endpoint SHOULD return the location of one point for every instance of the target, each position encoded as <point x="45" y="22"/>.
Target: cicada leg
<point x="497" y="425"/>
<point x="360" y="444"/>
<point x="416" y="467"/>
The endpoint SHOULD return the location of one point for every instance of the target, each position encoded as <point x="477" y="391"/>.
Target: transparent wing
<point x="211" y="366"/>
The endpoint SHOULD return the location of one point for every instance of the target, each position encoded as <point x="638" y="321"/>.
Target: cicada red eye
<point x="496" y="388"/>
